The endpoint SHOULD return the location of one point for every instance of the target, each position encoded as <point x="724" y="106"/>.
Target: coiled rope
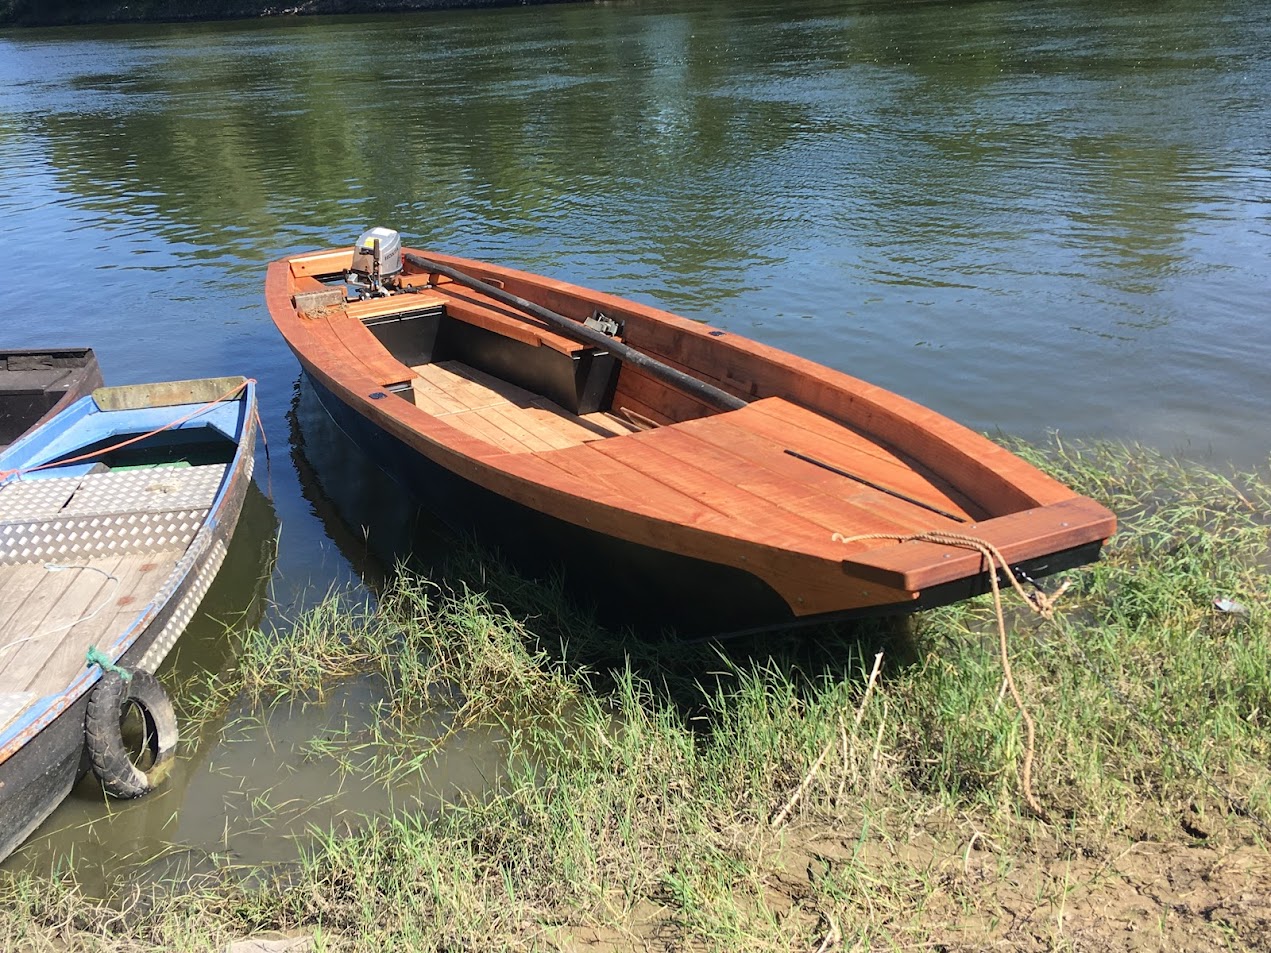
<point x="1038" y="601"/>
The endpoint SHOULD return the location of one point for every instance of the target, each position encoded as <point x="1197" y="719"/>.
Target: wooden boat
<point x="35" y="385"/>
<point x="114" y="519"/>
<point x="692" y="460"/>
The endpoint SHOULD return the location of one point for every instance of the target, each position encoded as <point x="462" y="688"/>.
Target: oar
<point x="685" y="383"/>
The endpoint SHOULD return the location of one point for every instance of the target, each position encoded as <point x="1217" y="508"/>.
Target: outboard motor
<point x="377" y="261"/>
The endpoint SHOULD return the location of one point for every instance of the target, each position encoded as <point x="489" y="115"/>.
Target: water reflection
<point x="374" y="522"/>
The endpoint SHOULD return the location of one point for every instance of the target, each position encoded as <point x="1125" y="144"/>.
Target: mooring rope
<point x="1038" y="601"/>
<point x="95" y="656"/>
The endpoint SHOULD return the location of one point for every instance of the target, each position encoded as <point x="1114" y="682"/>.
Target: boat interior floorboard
<point x="508" y="416"/>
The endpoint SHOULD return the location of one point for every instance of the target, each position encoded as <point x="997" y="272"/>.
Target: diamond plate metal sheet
<point x="33" y="499"/>
<point x="162" y="488"/>
<point x="118" y="491"/>
<point x="60" y="539"/>
<point x="186" y="608"/>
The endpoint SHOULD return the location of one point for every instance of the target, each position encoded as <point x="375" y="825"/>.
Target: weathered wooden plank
<point x="140" y="576"/>
<point x="17" y="582"/>
<point x="48" y="613"/>
<point x="320" y="299"/>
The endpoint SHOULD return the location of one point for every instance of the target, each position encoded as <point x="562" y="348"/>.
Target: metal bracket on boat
<point x="604" y="324"/>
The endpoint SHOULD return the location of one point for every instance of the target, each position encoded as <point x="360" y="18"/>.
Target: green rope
<point x="96" y="656"/>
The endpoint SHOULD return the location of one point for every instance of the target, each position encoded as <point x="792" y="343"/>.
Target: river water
<point x="1051" y="216"/>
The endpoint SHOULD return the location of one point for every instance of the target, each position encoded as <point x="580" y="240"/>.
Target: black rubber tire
<point x="111" y="759"/>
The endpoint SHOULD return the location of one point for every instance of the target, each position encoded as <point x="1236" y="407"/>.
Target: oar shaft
<point x="685" y="383"/>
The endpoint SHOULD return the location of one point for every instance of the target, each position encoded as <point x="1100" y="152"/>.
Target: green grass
<point x="642" y="779"/>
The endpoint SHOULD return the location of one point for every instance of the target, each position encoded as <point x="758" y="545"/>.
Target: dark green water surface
<point x="1029" y="216"/>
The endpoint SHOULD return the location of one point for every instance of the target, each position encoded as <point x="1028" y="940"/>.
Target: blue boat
<point x="115" y="516"/>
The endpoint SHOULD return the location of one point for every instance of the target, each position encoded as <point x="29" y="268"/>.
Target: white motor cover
<point x="390" y="253"/>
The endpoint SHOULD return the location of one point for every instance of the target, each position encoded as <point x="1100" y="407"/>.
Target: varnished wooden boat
<point x="115" y="516"/>
<point x="692" y="460"/>
<point x="35" y="385"/>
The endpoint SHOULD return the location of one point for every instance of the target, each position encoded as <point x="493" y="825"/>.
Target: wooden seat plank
<point x="394" y="304"/>
<point x="474" y="308"/>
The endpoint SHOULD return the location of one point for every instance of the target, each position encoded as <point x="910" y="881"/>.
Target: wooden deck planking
<point x="818" y="437"/>
<point x="845" y="507"/>
<point x="140" y="577"/>
<point x="521" y="425"/>
<point x="621" y="480"/>
<point x="434" y="400"/>
<point x="512" y="418"/>
<point x="17" y="581"/>
<point x="50" y="604"/>
<point x="751" y="434"/>
<point x="90" y="593"/>
<point x="733" y="510"/>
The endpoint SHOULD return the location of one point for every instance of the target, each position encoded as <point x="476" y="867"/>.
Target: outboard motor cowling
<point x="377" y="257"/>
